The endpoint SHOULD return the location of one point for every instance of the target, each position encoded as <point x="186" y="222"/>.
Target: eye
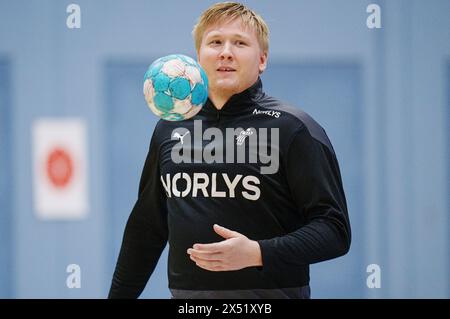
<point x="215" y="42"/>
<point x="241" y="43"/>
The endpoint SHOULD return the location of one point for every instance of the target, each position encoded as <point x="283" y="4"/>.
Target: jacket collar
<point x="238" y="103"/>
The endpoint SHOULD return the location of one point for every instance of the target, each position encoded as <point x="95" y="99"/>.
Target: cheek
<point x="207" y="54"/>
<point x="251" y="67"/>
<point x="207" y="63"/>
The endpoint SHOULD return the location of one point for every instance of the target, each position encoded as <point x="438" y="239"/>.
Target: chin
<point x="227" y="85"/>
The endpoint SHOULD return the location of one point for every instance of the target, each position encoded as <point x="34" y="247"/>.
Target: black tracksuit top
<point x="298" y="214"/>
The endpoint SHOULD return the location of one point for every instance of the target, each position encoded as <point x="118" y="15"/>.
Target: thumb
<point x="225" y="233"/>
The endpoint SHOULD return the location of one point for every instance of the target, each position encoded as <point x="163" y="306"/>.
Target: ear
<point x="262" y="62"/>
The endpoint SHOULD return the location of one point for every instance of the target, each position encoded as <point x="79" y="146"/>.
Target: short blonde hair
<point x="228" y="11"/>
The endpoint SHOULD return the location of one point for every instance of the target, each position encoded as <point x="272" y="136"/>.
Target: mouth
<point x="225" y="69"/>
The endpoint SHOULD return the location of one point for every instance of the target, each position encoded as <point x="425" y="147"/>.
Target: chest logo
<point x="271" y="113"/>
<point x="241" y="137"/>
<point x="179" y="137"/>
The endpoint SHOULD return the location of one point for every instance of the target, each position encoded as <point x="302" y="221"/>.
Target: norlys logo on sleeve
<point x="272" y="113"/>
<point x="237" y="146"/>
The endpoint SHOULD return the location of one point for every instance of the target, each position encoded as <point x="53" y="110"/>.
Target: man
<point x="238" y="226"/>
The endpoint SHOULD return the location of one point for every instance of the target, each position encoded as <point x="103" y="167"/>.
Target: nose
<point x="226" y="53"/>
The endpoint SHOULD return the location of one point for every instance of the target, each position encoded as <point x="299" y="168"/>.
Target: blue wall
<point x="6" y="211"/>
<point x="396" y="175"/>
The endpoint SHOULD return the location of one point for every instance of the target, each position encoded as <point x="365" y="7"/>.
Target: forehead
<point x="230" y="27"/>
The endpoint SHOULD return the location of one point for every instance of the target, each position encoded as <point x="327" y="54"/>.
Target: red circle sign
<point x="59" y="167"/>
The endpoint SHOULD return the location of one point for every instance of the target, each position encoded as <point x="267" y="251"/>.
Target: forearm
<point x="320" y="240"/>
<point x="138" y="257"/>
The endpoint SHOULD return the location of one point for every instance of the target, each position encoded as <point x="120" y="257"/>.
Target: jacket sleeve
<point x="145" y="233"/>
<point x="314" y="180"/>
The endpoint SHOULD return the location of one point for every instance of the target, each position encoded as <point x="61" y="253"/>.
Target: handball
<point x="175" y="87"/>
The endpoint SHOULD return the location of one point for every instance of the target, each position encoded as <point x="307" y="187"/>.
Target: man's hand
<point x="233" y="253"/>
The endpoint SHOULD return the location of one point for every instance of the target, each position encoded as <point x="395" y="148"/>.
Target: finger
<point x="205" y="255"/>
<point x="200" y="259"/>
<point x="225" y="232"/>
<point x="208" y="265"/>
<point x="213" y="248"/>
<point x="202" y="252"/>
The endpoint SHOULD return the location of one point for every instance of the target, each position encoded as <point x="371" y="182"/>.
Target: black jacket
<point x="298" y="214"/>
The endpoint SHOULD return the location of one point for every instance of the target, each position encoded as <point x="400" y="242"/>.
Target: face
<point x="232" y="57"/>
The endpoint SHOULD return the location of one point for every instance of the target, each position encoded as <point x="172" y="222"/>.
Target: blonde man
<point x="236" y="228"/>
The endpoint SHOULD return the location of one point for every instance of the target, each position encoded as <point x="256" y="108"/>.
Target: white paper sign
<point x="60" y="168"/>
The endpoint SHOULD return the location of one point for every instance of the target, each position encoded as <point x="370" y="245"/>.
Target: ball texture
<point x="175" y="87"/>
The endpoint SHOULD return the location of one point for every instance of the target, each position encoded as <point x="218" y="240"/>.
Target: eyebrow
<point x="236" y="35"/>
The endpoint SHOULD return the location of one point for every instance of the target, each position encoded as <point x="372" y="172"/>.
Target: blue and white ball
<point x="175" y="87"/>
